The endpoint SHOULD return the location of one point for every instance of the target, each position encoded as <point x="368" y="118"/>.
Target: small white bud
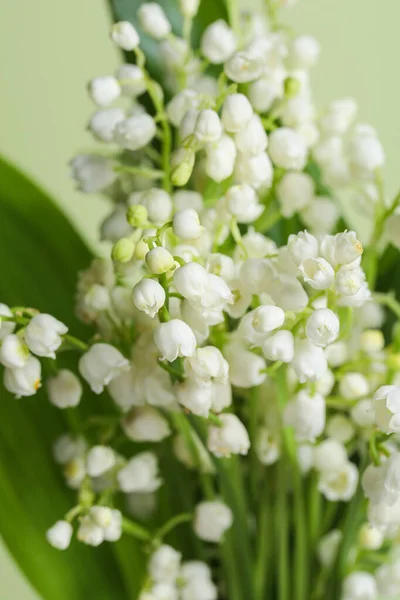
<point x="330" y="455"/>
<point x="124" y="35"/>
<point x="211" y="520"/>
<point x="178" y="106"/>
<point x="218" y="42"/>
<point x="13" y="352"/>
<point x="347" y="248"/>
<point x="101" y="364"/>
<point x="322" y="327"/>
<point x="132" y="81"/>
<point x="252" y="139"/>
<point x="153" y="20"/>
<point x="254" y="170"/>
<point x="279" y="346"/>
<point x="304" y="52"/>
<point x="196" y="396"/>
<point x="189" y="8"/>
<point x="317" y="272"/>
<point x="364" y="413"/>
<point x="220" y="158"/>
<point x="64" y="389"/>
<point x="370" y="537"/>
<point x="89" y="533"/>
<point x="295" y="191"/>
<point x="99" y="460"/>
<point x="230" y="437"/>
<point x="302" y="246"/>
<point x="236" y="113"/>
<point x="103" y="123"/>
<point x="149" y="296"/>
<point x="306" y="414"/>
<point x="353" y="386"/>
<point x="182" y="163"/>
<point x="242" y="202"/>
<point x="287" y="149"/>
<point x="246" y="369"/>
<point x="158" y="204"/>
<point x="186" y="224"/>
<point x="92" y="173"/>
<point x="145" y="424"/>
<point x="174" y="338"/>
<point x="208" y="128"/>
<point x="135" y="132"/>
<point x="360" y="584"/>
<point x="104" y="90"/>
<point x="207" y="365"/>
<point x="340" y="428"/>
<point x="24" y="381"/>
<point x="59" y="535"/>
<point x="159" y="260"/>
<point x="43" y="335"/>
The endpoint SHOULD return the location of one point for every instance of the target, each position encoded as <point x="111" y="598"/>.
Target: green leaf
<point x="126" y="10"/>
<point x="40" y="256"/>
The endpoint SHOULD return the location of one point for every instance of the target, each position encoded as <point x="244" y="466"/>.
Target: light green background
<point x="49" y="49"/>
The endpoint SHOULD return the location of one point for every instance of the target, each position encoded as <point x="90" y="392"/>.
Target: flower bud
<point x="208" y="127"/>
<point x="158" y="203"/>
<point x="322" y="327"/>
<point x="301" y="246"/>
<point x="104" y="90"/>
<point x="236" y="113"/>
<point x="330" y="455"/>
<point x="230" y="437"/>
<point x="186" y="224"/>
<point x="145" y="424"/>
<point x="24" y="381"/>
<point x="89" y="533"/>
<point x="13" y="352"/>
<point x="132" y="81"/>
<point x="182" y="163"/>
<point x="304" y="52"/>
<point x="99" y="460"/>
<point x="364" y="413"/>
<point x="242" y="202"/>
<point x="318" y="273"/>
<point x="279" y="346"/>
<point x="178" y="106"/>
<point x="92" y="173"/>
<point x="135" y="132"/>
<point x="360" y="584"/>
<point x="218" y="42"/>
<point x="101" y="364"/>
<point x="64" y="389"/>
<point x="328" y="547"/>
<point x="103" y="123"/>
<point x="122" y="250"/>
<point x="340" y="428"/>
<point x="211" y="520"/>
<point x="254" y="170"/>
<point x="159" y="260"/>
<point x="196" y="396"/>
<point x="59" y="535"/>
<point x="220" y="158"/>
<point x="149" y="296"/>
<point x="189" y="8"/>
<point x="153" y="20"/>
<point x="252" y="139"/>
<point x="287" y="149"/>
<point x="207" y="365"/>
<point x="137" y="215"/>
<point x="125" y="35"/>
<point x="291" y="87"/>
<point x="372" y="341"/>
<point x="267" y="446"/>
<point x="370" y="538"/>
<point x="43" y="335"/>
<point x="353" y="386"/>
<point x="174" y="338"/>
<point x="295" y="191"/>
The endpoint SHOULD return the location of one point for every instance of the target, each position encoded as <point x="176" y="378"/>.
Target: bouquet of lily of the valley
<point x="233" y="402"/>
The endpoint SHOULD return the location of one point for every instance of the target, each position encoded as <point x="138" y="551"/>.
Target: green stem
<point x="282" y="532"/>
<point x="233" y="14"/>
<point x="75" y="343"/>
<point x="388" y="300"/>
<point x="146" y="172"/>
<point x="171" y="524"/>
<point x="135" y="530"/>
<point x="262" y="566"/>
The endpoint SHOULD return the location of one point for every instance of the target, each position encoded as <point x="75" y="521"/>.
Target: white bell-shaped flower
<point x="145" y="424"/>
<point x="241" y="201"/>
<point x="99" y="460"/>
<point x="159" y="260"/>
<point x="207" y="365"/>
<point x="236" y="113"/>
<point x="287" y="149"/>
<point x="322" y="327"/>
<point x="148" y="296"/>
<point x="186" y="224"/>
<point x="360" y="585"/>
<point x="6" y="327"/>
<point x="306" y="414"/>
<point x="43" y="335"/>
<point x="220" y="158"/>
<point x="104" y="90"/>
<point x="347" y="248"/>
<point x="64" y="389"/>
<point x="125" y="35"/>
<point x="211" y="520"/>
<point x="218" y="42"/>
<point x="353" y="386"/>
<point x="196" y="397"/>
<point x="252" y="139"/>
<point x="101" y="364"/>
<point x="13" y="351"/>
<point x="59" y="535"/>
<point x="279" y="346"/>
<point x="230" y="437"/>
<point x="164" y="564"/>
<point x="208" y="127"/>
<point x="135" y="132"/>
<point x="132" y="81"/>
<point x="330" y="455"/>
<point x="387" y="408"/>
<point x="103" y="123"/>
<point x="339" y="485"/>
<point x="174" y="338"/>
<point x="295" y="191"/>
<point x="140" y="474"/>
<point x="317" y="272"/>
<point x="24" y="381"/>
<point x="246" y="369"/>
<point x="242" y="67"/>
<point x="309" y="362"/>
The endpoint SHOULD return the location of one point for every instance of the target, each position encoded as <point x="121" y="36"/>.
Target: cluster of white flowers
<point x="217" y="336"/>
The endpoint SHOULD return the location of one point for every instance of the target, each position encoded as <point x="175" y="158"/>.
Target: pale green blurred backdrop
<point x="49" y="49"/>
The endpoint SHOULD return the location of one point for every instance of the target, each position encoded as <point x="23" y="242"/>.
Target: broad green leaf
<point x="126" y="10"/>
<point x="40" y="255"/>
